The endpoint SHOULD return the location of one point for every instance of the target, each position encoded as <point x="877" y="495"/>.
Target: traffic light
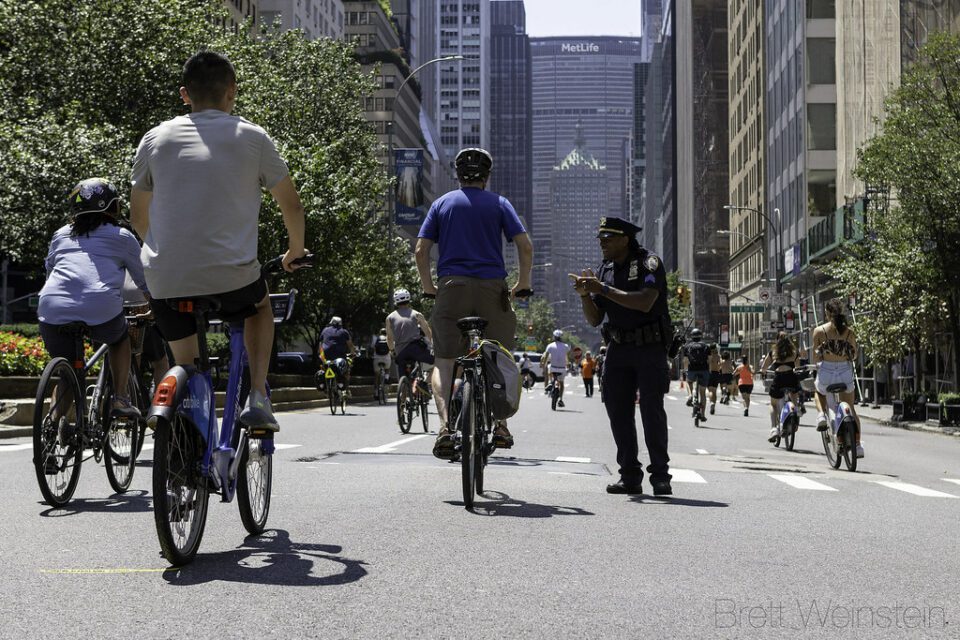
<point x="683" y="295"/>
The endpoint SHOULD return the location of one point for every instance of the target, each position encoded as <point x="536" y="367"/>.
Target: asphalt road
<point x="368" y="538"/>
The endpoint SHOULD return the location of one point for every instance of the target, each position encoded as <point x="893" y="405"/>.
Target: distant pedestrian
<point x="587" y="367"/>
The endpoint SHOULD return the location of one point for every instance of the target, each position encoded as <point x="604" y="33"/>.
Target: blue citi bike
<point x="840" y="438"/>
<point x="193" y="455"/>
<point x="788" y="421"/>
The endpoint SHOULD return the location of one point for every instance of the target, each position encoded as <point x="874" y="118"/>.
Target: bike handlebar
<point x="275" y="265"/>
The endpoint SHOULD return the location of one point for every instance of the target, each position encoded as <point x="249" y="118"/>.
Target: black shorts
<point x="714" y="380"/>
<point x="235" y="306"/>
<point x="783" y="382"/>
<point x="62" y="345"/>
<point x="153" y="347"/>
<point x="726" y="378"/>
<point x="416" y="351"/>
<point x="745" y="388"/>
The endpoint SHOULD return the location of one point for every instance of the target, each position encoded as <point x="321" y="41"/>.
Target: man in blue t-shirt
<point x="469" y="225"/>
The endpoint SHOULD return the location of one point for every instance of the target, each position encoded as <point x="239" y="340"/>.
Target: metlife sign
<point x="580" y="47"/>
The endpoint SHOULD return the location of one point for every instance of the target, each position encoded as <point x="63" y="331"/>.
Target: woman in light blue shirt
<point x="86" y="266"/>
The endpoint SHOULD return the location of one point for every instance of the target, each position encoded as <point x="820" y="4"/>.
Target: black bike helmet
<point x="93" y="195"/>
<point x="474" y="165"/>
<point x="696" y="334"/>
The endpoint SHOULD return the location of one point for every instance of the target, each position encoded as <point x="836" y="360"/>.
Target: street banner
<point x="408" y="195"/>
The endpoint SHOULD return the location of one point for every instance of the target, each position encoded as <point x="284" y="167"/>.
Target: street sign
<point x="746" y="308"/>
<point x="530" y="344"/>
<point x="764" y="295"/>
<point x="780" y="299"/>
<point x="776" y="324"/>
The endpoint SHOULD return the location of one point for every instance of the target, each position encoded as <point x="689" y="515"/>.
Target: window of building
<point x="821" y="9"/>
<point x="821" y="61"/>
<point x="822" y="127"/>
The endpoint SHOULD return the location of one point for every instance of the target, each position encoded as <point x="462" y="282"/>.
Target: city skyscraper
<point x="586" y="85"/>
<point x="510" y="108"/>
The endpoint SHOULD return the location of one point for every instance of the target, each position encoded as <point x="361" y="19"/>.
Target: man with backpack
<point x="381" y="352"/>
<point x="696" y="361"/>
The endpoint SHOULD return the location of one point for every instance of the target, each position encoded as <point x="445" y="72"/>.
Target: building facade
<point x="585" y="83"/>
<point x="638" y="142"/>
<point x="510" y="108"/>
<point x="241" y="11"/>
<point x="747" y="145"/>
<point x="316" y="18"/>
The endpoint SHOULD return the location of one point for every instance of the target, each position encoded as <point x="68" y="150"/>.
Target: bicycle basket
<point x="503" y="380"/>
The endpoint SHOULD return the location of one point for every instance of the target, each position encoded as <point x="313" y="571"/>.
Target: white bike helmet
<point x="558" y="334"/>
<point x="401" y="296"/>
<point x="335" y="321"/>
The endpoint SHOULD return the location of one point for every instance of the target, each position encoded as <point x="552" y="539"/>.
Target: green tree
<point x="537" y="320"/>
<point x="679" y="312"/>
<point x="917" y="156"/>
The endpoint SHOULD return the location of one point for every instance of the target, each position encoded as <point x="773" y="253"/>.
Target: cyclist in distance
<point x="336" y="343"/>
<point x="408" y="333"/>
<point x="716" y="375"/>
<point x="197" y="190"/>
<point x="86" y="266"/>
<point x="469" y="225"/>
<point x="696" y="361"/>
<point x="381" y="352"/>
<point x="783" y="358"/>
<point x="556" y="357"/>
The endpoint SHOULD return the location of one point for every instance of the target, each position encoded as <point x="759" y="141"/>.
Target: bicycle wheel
<point x="57" y="429"/>
<point x="554" y="396"/>
<point x="120" y="439"/>
<point x="425" y="414"/>
<point x="830" y="448"/>
<point x="254" y="485"/>
<point x="790" y="432"/>
<point x="468" y="443"/>
<point x="332" y="395"/>
<point x="404" y="417"/>
<point x="343" y="402"/>
<point x="848" y="431"/>
<point x="179" y="492"/>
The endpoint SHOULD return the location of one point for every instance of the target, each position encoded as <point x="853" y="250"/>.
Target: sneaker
<point x="746" y="412"/>
<point x="689" y="401"/>
<point x="502" y="438"/>
<point x="821" y="422"/>
<point x="560" y="403"/>
<point x="443" y="446"/>
<point x="123" y="408"/>
<point x="257" y="415"/>
<point x="859" y="450"/>
<point x="703" y="418"/>
<point x="774" y="434"/>
<point x="713" y="409"/>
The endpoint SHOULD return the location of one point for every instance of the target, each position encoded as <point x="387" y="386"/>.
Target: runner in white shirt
<point x="556" y="356"/>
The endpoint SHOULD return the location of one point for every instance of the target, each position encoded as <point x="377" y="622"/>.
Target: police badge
<point x="652" y="263"/>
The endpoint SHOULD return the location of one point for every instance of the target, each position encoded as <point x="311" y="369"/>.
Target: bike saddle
<point x="473" y="323"/>
<point x="74" y="329"/>
<point x="202" y="304"/>
<point x="840" y="387"/>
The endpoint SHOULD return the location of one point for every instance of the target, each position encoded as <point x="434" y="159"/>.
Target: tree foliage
<point x="908" y="271"/>
<point x="80" y="83"/>
<point x="679" y="312"/>
<point x="537" y="320"/>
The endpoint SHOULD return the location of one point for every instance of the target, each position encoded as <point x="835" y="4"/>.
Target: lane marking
<point x="799" y="482"/>
<point x="914" y="489"/>
<point x="286" y="446"/>
<point x="15" y="447"/>
<point x="571" y="459"/>
<point x="687" y="475"/>
<point x="671" y="398"/>
<point x="703" y="452"/>
<point x="104" y="571"/>
<point x="953" y="480"/>
<point x="390" y="446"/>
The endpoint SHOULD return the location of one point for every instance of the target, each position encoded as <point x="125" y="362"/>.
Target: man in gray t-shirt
<point x="197" y="185"/>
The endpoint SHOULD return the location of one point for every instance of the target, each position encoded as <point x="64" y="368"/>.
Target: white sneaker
<point x="822" y="422"/>
<point x="774" y="434"/>
<point x="859" y="450"/>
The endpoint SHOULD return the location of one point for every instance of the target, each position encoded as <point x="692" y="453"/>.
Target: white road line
<point x="387" y="448"/>
<point x="286" y="446"/>
<point x="953" y="480"/>
<point x="799" y="482"/>
<point x="703" y="452"/>
<point x="671" y="398"/>
<point x="15" y="447"/>
<point x="686" y="475"/>
<point x="915" y="489"/>
<point x="571" y="459"/>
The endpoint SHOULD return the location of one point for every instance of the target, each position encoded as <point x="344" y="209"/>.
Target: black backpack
<point x="698" y="356"/>
<point x="380" y="347"/>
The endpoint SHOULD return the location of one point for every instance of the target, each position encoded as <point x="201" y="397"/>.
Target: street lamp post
<point x="776" y="229"/>
<point x="396" y="103"/>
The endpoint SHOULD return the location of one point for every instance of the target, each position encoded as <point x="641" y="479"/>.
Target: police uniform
<point x="637" y="344"/>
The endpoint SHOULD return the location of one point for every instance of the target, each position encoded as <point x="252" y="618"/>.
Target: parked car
<point x="295" y="362"/>
<point x="535" y="367"/>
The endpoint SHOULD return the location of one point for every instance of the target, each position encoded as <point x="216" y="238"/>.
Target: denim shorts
<point x="829" y="373"/>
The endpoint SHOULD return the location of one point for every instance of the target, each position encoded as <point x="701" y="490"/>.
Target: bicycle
<point x="380" y="382"/>
<point x="412" y="398"/>
<point x="840" y="438"/>
<point x="554" y="389"/>
<point x="788" y="422"/>
<point x="66" y="423"/>
<point x="193" y="454"/>
<point x="333" y="384"/>
<point x="698" y="416"/>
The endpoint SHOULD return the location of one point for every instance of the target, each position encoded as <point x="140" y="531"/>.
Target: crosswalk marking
<point x="915" y="489"/>
<point x="671" y="398"/>
<point x="15" y="447"/>
<point x="800" y="482"/>
<point x="390" y="446"/>
<point x="953" y="480"/>
<point x="687" y="475"/>
<point x="572" y="459"/>
<point x="703" y="452"/>
<point x="286" y="446"/>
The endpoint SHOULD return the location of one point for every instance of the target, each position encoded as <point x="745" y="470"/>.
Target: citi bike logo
<point x="580" y="47"/>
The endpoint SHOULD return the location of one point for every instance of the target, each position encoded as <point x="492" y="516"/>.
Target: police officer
<point x="630" y="290"/>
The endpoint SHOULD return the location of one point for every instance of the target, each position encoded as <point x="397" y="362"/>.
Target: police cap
<point x="611" y="227"/>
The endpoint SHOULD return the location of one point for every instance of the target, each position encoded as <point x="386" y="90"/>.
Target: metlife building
<point x="586" y="82"/>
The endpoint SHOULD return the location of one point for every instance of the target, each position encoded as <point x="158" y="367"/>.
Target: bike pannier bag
<point x="503" y="379"/>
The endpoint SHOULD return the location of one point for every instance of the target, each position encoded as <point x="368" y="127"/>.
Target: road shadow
<point x="563" y="410"/>
<point x="703" y="426"/>
<point x="272" y="558"/>
<point x="500" y="504"/>
<point x="131" y="502"/>
<point x="680" y="502"/>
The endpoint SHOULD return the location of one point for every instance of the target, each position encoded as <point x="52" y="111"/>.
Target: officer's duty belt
<point x="640" y="336"/>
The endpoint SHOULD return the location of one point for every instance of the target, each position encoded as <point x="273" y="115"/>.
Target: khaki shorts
<point x="461" y="297"/>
